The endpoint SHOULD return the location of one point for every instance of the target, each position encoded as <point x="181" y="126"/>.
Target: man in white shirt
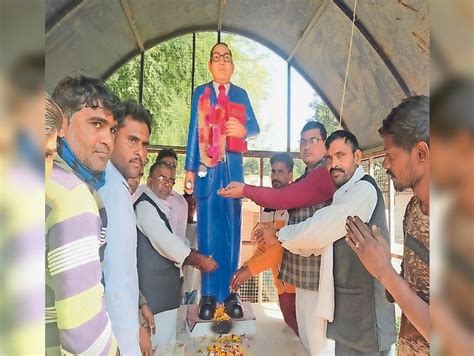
<point x="176" y="202"/>
<point x="178" y="205"/>
<point x="362" y="321"/>
<point x="161" y="253"/>
<point x="120" y="262"/>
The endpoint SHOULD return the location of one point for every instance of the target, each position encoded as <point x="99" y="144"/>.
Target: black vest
<point x="158" y="277"/>
<point x="363" y="318"/>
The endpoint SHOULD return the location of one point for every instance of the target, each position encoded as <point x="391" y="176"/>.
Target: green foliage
<point x="250" y="71"/>
<point x="167" y="89"/>
<point x="298" y="168"/>
<point x="168" y="77"/>
<point x="323" y="114"/>
<point x="124" y="82"/>
<point x="204" y="43"/>
<point x="251" y="166"/>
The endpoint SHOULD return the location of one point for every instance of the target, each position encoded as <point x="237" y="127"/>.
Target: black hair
<point x="217" y="44"/>
<point x="284" y="158"/>
<point x="138" y="112"/>
<point x="73" y="93"/>
<point x="157" y="165"/>
<point x="409" y="122"/>
<point x="348" y="137"/>
<point x="310" y="125"/>
<point x="166" y="152"/>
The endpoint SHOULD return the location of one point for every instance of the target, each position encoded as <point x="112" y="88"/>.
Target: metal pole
<point x="140" y="84"/>
<point x="288" y="109"/>
<point x="193" y="68"/>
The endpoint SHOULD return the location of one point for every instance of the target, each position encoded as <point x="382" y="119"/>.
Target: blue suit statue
<point x="218" y="218"/>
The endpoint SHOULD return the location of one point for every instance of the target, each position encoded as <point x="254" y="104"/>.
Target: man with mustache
<point x="361" y="320"/>
<point x="178" y="204"/>
<point x="314" y="190"/>
<point x="406" y="136"/>
<point x="263" y="259"/>
<point x="161" y="253"/>
<point x="120" y="260"/>
<point x="133" y="183"/>
<point x="76" y="316"/>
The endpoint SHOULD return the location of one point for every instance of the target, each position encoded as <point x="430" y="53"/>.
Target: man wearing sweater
<point x="75" y="314"/>
<point x="263" y="258"/>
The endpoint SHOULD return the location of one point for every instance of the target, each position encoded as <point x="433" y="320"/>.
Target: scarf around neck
<point x="94" y="179"/>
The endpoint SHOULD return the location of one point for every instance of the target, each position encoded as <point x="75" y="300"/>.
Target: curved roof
<point x="390" y="53"/>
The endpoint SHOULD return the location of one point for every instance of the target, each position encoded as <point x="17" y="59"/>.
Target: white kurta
<point x="120" y="261"/>
<point x="168" y="244"/>
<point x="178" y="208"/>
<point x="317" y="234"/>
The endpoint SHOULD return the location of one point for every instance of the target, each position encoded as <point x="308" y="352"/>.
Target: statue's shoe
<point x="233" y="306"/>
<point x="207" y="307"/>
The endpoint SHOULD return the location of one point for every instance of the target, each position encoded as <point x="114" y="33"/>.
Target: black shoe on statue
<point x="233" y="307"/>
<point x="207" y="307"/>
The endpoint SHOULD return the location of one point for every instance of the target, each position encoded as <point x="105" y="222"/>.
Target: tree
<point x="323" y="114"/>
<point x="124" y="82"/>
<point x="168" y="77"/>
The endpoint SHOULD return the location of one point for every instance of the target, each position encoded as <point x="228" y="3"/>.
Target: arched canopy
<point x="390" y="53"/>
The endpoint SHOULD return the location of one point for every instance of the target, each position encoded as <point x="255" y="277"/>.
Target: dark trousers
<point x="343" y="350"/>
<point x="288" y="309"/>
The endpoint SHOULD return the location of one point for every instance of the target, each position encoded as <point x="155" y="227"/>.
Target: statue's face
<point x="221" y="70"/>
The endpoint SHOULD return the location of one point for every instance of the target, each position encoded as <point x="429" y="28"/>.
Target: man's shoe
<point x="233" y="307"/>
<point x="207" y="307"/>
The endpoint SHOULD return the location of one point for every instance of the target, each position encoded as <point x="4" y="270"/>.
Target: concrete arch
<point x="390" y="57"/>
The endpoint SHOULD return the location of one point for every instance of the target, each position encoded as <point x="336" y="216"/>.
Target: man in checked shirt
<point x="296" y="270"/>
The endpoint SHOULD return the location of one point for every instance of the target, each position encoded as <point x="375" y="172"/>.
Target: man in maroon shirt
<point x="311" y="192"/>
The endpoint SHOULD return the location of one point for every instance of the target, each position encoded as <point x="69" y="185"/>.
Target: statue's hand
<point x="234" y="128"/>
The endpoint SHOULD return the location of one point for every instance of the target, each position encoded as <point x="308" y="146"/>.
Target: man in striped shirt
<point x="76" y="318"/>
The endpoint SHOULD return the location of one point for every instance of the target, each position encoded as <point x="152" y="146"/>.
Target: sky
<point x="273" y="111"/>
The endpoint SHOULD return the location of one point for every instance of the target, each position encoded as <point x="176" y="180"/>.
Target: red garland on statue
<point x="211" y="124"/>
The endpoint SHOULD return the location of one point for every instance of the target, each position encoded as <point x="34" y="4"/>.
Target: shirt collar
<point x="216" y="87"/>
<point x="112" y="172"/>
<point x="358" y="174"/>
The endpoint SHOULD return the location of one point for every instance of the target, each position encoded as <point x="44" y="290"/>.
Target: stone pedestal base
<point x="196" y="327"/>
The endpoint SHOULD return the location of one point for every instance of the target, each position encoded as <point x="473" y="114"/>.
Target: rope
<point x="348" y="64"/>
